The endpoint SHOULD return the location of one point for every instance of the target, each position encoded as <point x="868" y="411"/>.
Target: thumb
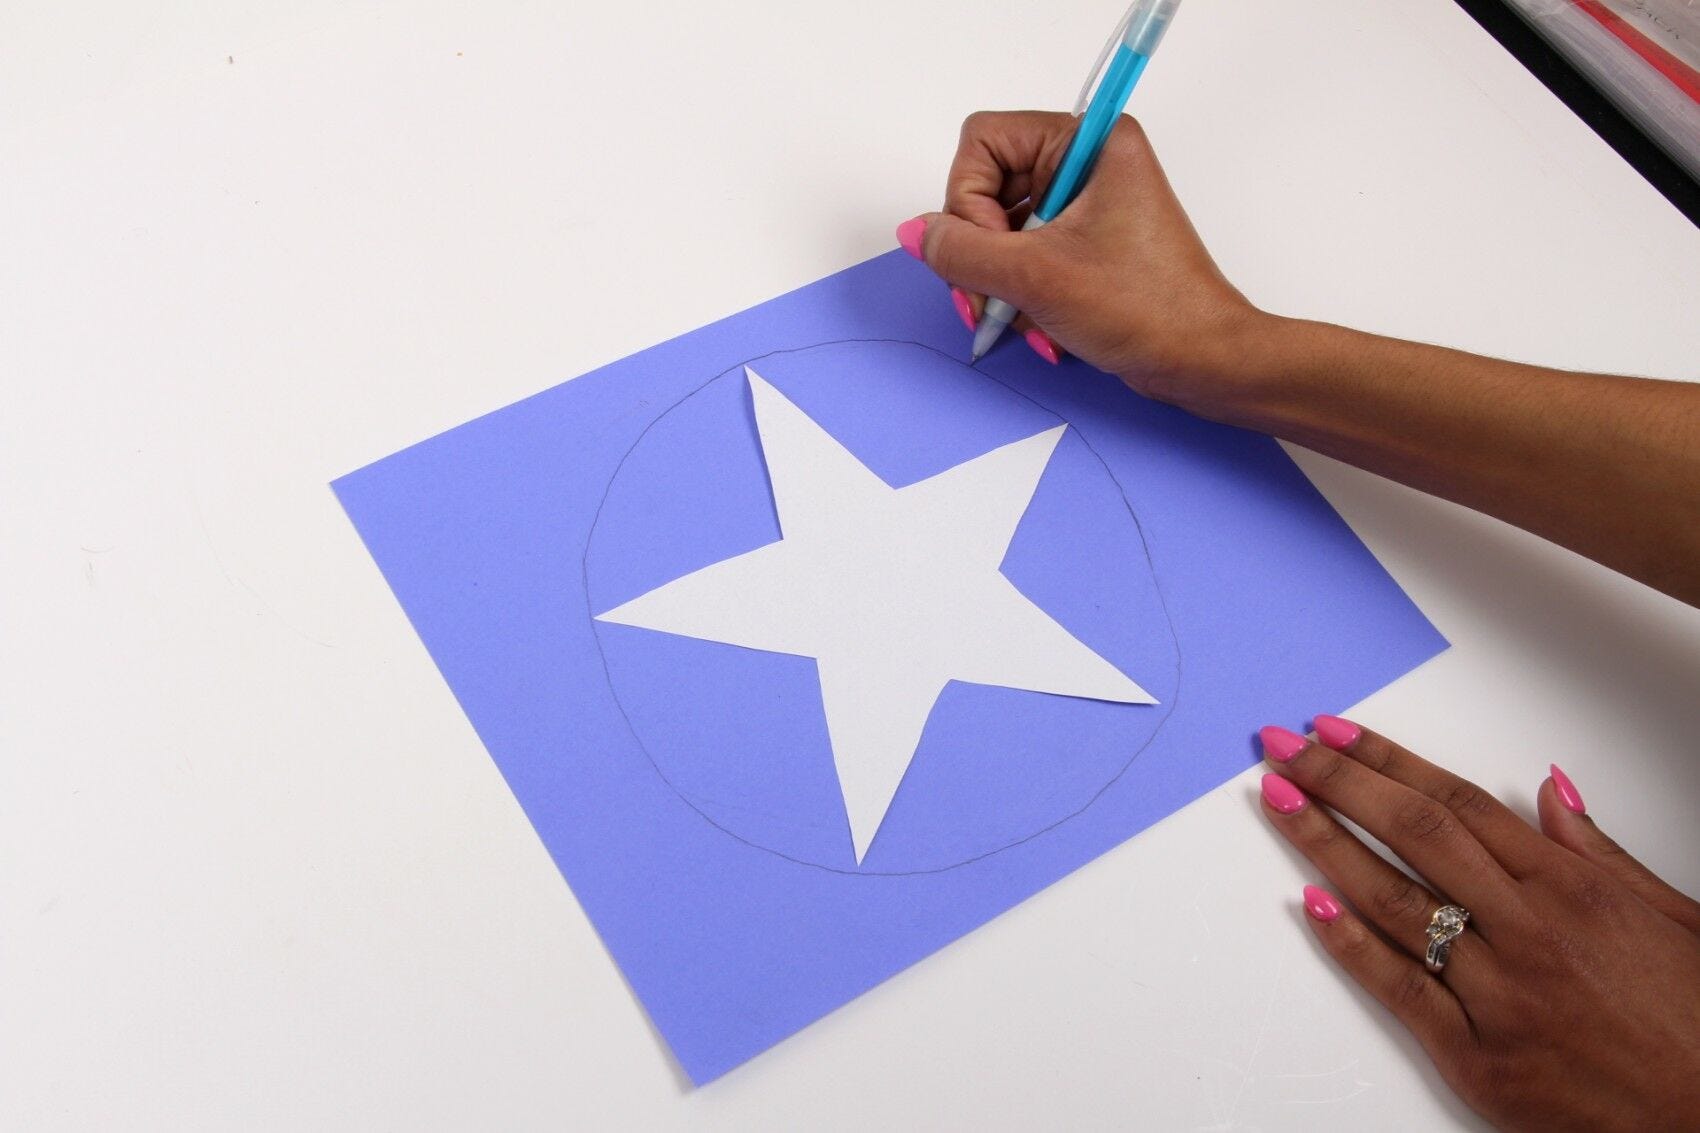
<point x="1565" y="820"/>
<point x="981" y="260"/>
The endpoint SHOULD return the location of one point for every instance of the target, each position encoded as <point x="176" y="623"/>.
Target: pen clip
<point x="1097" y="72"/>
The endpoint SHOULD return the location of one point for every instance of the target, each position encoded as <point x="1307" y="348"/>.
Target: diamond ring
<point x="1443" y="928"/>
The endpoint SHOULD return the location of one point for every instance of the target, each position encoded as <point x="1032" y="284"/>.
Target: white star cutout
<point x="894" y="591"/>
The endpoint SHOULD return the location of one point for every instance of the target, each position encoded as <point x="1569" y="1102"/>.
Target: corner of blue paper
<point x="685" y="788"/>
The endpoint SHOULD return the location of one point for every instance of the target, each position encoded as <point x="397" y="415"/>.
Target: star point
<point x="894" y="591"/>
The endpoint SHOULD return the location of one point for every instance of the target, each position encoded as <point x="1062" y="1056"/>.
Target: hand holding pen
<point x="1120" y="279"/>
<point x="1108" y="85"/>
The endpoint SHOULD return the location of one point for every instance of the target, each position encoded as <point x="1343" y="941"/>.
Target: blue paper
<point x="686" y="789"/>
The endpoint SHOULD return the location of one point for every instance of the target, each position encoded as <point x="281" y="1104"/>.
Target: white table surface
<point x="258" y="872"/>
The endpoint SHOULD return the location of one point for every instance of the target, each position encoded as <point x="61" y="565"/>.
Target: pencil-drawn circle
<point x="738" y="735"/>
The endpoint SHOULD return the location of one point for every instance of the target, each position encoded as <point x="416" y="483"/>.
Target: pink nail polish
<point x="963" y="307"/>
<point x="1282" y="795"/>
<point x="1567" y="792"/>
<point x="1043" y="346"/>
<point x="1279" y="744"/>
<point x="1336" y="733"/>
<point x="1320" y="904"/>
<point x="909" y="235"/>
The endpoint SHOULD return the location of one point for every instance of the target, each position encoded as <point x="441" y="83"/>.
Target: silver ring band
<point x="1443" y="928"/>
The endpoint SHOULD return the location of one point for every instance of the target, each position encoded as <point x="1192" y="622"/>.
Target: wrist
<point x="1246" y="371"/>
<point x="1286" y="373"/>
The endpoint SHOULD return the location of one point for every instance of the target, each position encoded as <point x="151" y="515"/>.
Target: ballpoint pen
<point x="1127" y="51"/>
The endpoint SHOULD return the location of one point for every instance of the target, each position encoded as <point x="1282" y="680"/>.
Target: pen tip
<point x="975" y="355"/>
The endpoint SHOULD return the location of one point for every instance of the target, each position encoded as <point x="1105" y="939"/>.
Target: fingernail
<point x="1567" y="792"/>
<point x="1043" y="346"/>
<point x="1320" y="904"/>
<point x="1336" y="733"/>
<point x="963" y="306"/>
<point x="1279" y="744"/>
<point x="909" y="235"/>
<point x="1282" y="795"/>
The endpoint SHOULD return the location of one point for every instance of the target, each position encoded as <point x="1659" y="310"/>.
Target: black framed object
<point x="1587" y="103"/>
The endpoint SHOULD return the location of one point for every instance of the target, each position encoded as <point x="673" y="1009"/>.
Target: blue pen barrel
<point x="1124" y="70"/>
<point x="1136" y="37"/>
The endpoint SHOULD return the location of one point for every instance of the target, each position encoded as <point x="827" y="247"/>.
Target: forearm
<point x="1607" y="466"/>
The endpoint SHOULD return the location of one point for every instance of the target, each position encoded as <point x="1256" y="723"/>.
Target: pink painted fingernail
<point x="1043" y="346"/>
<point x="1336" y="733"/>
<point x="1279" y="744"/>
<point x="909" y="235"/>
<point x="1282" y="795"/>
<point x="1567" y="792"/>
<point x="963" y="307"/>
<point x="1320" y="904"/>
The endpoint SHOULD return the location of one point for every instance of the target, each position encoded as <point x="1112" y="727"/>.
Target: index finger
<point x="1421" y="831"/>
<point x="1517" y="846"/>
<point x="1000" y="154"/>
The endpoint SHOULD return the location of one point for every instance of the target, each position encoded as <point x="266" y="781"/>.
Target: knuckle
<point x="1594" y="892"/>
<point x="1489" y="1073"/>
<point x="1352" y="948"/>
<point x="977" y="123"/>
<point x="1400" y="898"/>
<point x="1523" y="1079"/>
<point x="1411" y="989"/>
<point x="1378" y="757"/>
<point x="1128" y="142"/>
<point x="1424" y="820"/>
<point x="1320" y="837"/>
<point x="1322" y="764"/>
<point x="1463" y="797"/>
<point x="1568" y="920"/>
<point x="1129" y="127"/>
<point x="1556" y="948"/>
<point x="936" y="249"/>
<point x="958" y="193"/>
